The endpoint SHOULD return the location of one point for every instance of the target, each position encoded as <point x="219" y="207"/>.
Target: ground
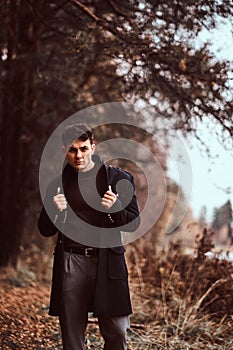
<point x="25" y="323"/>
<point x="180" y="302"/>
<point x="24" y="319"/>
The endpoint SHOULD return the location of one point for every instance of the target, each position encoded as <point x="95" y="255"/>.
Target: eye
<point x="72" y="150"/>
<point x="84" y="149"/>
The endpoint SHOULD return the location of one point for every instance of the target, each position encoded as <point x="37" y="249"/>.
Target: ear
<point x="93" y="148"/>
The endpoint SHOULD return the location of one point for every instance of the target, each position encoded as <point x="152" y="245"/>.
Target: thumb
<point x="58" y="190"/>
<point x="110" y="188"/>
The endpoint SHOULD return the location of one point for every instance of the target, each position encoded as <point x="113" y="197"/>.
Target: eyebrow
<point x="82" y="148"/>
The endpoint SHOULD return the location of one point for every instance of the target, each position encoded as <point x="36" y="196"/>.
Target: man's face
<point x="79" y="154"/>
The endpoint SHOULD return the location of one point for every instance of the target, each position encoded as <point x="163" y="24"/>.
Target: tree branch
<point x="36" y="13"/>
<point x="117" y="10"/>
<point x="87" y="10"/>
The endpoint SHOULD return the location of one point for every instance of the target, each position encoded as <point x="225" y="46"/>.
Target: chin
<point x="80" y="167"/>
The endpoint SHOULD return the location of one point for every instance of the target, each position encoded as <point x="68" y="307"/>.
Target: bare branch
<point x="44" y="22"/>
<point x="87" y="10"/>
<point x="117" y="10"/>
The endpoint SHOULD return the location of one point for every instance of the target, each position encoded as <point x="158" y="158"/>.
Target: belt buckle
<point x="87" y="252"/>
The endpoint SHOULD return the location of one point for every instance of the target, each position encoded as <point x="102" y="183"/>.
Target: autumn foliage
<point x="180" y="300"/>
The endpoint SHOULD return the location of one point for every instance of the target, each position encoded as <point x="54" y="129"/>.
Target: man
<point x="89" y="272"/>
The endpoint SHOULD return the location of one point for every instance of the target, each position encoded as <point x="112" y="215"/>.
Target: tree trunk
<point x="17" y="100"/>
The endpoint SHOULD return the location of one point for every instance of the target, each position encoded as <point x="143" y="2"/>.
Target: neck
<point x="88" y="168"/>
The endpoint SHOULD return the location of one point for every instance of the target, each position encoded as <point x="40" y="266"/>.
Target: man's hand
<point x="60" y="200"/>
<point x="109" y="198"/>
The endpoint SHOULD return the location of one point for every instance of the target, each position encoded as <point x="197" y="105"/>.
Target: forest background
<point x="60" y="57"/>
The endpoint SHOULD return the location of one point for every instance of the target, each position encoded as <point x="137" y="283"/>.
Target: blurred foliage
<point x="58" y="57"/>
<point x="180" y="300"/>
<point x="222" y="224"/>
<point x="222" y="216"/>
<point x="189" y="295"/>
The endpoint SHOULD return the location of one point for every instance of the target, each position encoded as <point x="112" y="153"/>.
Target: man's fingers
<point x="60" y="200"/>
<point x="109" y="198"/>
<point x="110" y="189"/>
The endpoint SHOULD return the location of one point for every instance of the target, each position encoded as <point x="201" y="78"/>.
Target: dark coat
<point x="112" y="296"/>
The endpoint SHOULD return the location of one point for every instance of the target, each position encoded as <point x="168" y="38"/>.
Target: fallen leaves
<point x="165" y="316"/>
<point x="24" y="320"/>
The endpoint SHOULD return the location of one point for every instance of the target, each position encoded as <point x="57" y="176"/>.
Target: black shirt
<point x="83" y="192"/>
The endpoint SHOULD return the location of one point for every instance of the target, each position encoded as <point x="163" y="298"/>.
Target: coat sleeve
<point x="125" y="213"/>
<point x="46" y="222"/>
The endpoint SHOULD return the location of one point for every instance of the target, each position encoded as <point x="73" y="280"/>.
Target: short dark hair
<point x="77" y="132"/>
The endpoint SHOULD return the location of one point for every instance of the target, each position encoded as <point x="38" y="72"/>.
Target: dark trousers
<point x="78" y="294"/>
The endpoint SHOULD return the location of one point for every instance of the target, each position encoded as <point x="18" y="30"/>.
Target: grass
<point x="180" y="301"/>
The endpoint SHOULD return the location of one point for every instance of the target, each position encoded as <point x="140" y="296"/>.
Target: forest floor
<point x="25" y="323"/>
<point x="24" y="303"/>
<point x="165" y="316"/>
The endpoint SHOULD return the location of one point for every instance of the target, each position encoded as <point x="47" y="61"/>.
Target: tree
<point x="223" y="216"/>
<point x="202" y="217"/>
<point x="58" y="57"/>
<point x="18" y="96"/>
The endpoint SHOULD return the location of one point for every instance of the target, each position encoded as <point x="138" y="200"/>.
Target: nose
<point x="78" y="153"/>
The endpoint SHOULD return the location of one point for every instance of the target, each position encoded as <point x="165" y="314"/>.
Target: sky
<point x="212" y="178"/>
<point x="206" y="180"/>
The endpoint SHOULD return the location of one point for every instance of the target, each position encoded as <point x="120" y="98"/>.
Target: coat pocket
<point x="117" y="268"/>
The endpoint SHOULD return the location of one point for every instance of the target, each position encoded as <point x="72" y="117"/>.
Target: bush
<point x="189" y="295"/>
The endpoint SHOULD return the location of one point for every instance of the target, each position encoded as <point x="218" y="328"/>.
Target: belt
<point x="86" y="251"/>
